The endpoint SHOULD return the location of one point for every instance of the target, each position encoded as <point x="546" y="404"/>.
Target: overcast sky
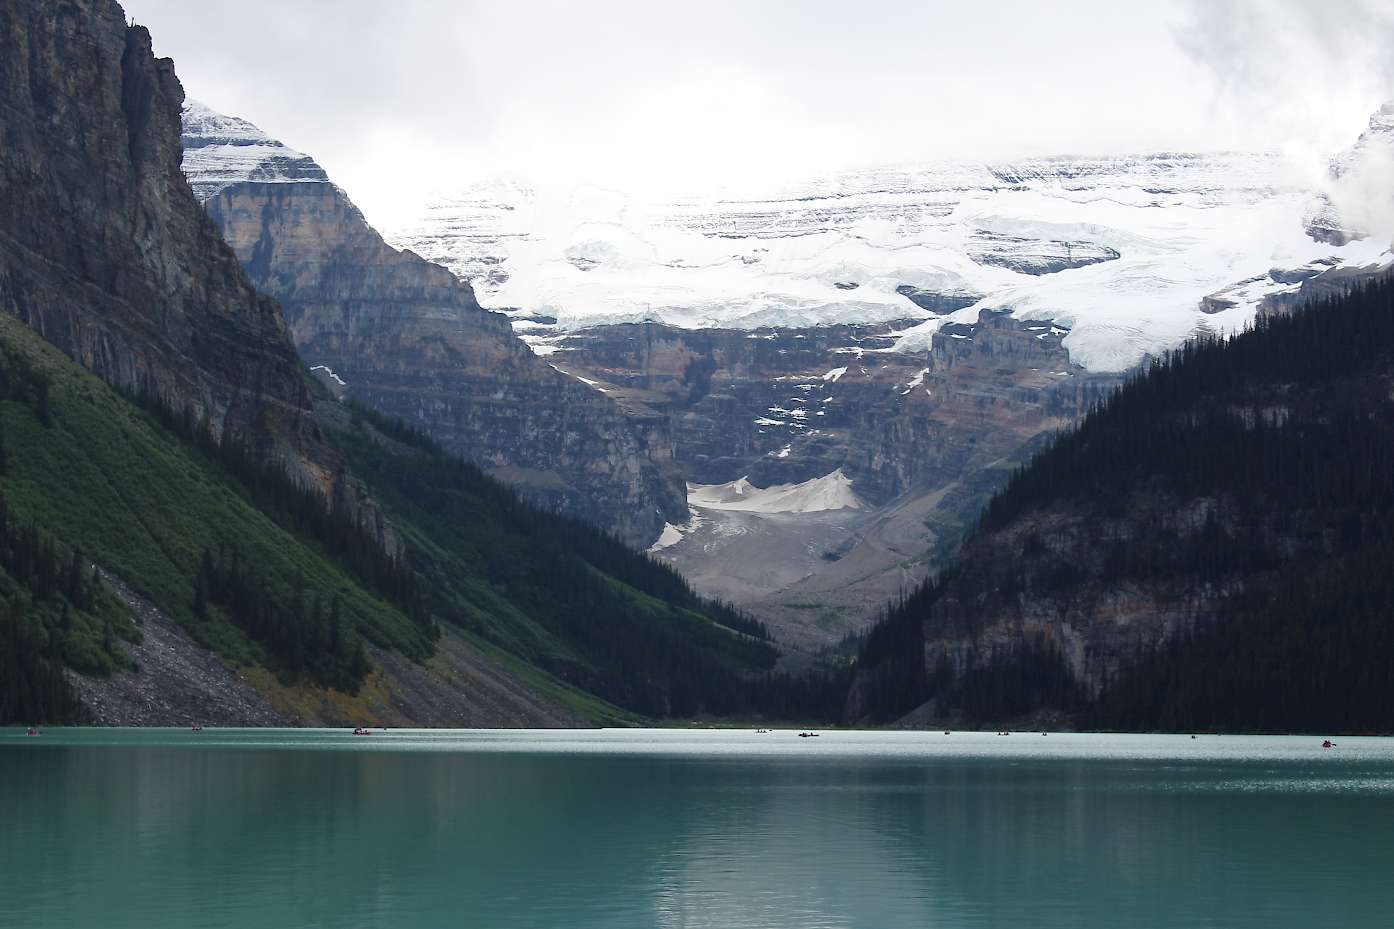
<point x="396" y="97"/>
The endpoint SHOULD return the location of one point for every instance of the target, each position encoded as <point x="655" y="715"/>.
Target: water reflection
<point x="678" y="830"/>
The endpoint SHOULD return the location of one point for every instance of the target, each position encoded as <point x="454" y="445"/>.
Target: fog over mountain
<point x="398" y="99"/>
<point x="807" y="254"/>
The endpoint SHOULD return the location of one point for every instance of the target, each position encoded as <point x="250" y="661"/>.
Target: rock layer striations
<point x="406" y="337"/>
<point x="103" y="247"/>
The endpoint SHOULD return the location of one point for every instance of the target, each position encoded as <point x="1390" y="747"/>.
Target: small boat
<point x="195" y="728"/>
<point x="359" y="730"/>
<point x="31" y="731"/>
<point x="1327" y="743"/>
<point x="808" y="735"/>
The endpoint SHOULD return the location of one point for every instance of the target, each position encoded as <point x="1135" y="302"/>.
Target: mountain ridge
<point x="1206" y="513"/>
<point x="409" y="339"/>
<point x="160" y="430"/>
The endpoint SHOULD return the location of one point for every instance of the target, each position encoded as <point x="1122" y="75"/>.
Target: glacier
<point x="1121" y="251"/>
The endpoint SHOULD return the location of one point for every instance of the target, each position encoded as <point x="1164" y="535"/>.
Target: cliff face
<point x="104" y="249"/>
<point x="409" y="339"/>
<point x="789" y="405"/>
<point x="921" y="437"/>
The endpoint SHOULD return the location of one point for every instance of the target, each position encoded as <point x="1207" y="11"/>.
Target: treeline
<point x="33" y="688"/>
<point x="1296" y="387"/>
<point x="1309" y="653"/>
<point x="57" y="612"/>
<point x="301" y="510"/>
<point x="626" y="626"/>
<point x="22" y="382"/>
<point x="1256" y="472"/>
<point x="35" y="560"/>
<point x="598" y="548"/>
<point x="304" y="636"/>
<point x="977" y="686"/>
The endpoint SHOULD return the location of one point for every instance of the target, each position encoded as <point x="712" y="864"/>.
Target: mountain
<point x="1120" y="251"/>
<point x="407" y="338"/>
<point x="918" y="440"/>
<point x="1210" y="549"/>
<point x="920" y="329"/>
<point x="105" y="251"/>
<point x="192" y="526"/>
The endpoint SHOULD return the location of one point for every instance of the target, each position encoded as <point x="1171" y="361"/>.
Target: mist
<point x="399" y="99"/>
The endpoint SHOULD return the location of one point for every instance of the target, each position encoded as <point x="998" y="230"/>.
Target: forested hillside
<point x="270" y="574"/>
<point x="158" y="424"/>
<point x="1212" y="548"/>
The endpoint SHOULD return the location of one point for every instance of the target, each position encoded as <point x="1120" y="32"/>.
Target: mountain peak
<point x="222" y="150"/>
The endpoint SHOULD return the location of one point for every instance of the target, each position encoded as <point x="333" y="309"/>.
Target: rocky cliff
<point x="103" y="247"/>
<point x="788" y="405"/>
<point x="406" y="337"/>
<point x="916" y="438"/>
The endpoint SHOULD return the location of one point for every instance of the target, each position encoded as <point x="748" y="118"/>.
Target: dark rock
<point x="410" y="340"/>
<point x="104" y="249"/>
<point x="1036" y="256"/>
<point x="935" y="302"/>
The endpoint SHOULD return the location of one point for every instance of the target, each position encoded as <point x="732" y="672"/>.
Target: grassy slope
<point x="498" y="580"/>
<point x="106" y="478"/>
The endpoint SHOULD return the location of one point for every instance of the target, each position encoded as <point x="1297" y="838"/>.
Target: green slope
<point x="552" y="590"/>
<point x="568" y="608"/>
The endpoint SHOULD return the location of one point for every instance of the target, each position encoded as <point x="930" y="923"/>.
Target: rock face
<point x="1036" y="256"/>
<point x="784" y="406"/>
<point x="914" y="435"/>
<point x="222" y="150"/>
<point x="103" y="247"/>
<point x="406" y="337"/>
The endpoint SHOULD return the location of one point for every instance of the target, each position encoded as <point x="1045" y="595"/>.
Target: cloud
<point x="1310" y="74"/>
<point x="397" y="98"/>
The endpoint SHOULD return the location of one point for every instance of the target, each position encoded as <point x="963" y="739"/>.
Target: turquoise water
<point x="643" y="828"/>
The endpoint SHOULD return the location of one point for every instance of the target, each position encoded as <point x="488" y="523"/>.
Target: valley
<point x="739" y="425"/>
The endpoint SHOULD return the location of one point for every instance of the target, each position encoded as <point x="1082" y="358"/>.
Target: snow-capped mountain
<point x="221" y="150"/>
<point x="407" y="337"/>
<point x="1122" y="251"/>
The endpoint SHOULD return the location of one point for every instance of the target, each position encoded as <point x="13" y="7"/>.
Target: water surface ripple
<point x="670" y="828"/>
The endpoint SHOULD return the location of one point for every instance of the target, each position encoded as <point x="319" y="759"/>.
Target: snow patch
<point x="670" y="536"/>
<point x="830" y="492"/>
<point x="329" y="373"/>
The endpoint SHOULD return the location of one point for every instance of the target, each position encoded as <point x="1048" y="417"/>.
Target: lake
<point x="702" y="828"/>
